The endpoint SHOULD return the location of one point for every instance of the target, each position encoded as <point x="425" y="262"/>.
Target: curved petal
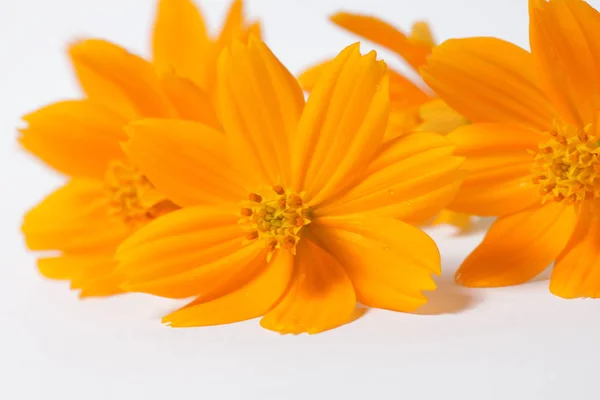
<point x="413" y="178"/>
<point x="566" y="50"/>
<point x="500" y="180"/>
<point x="93" y="273"/>
<point x="260" y="104"/>
<point x="74" y="218"/>
<point x="118" y="79"/>
<point x="414" y="50"/>
<point x="389" y="262"/>
<point x="185" y="160"/>
<point x="342" y="125"/>
<point x="254" y="299"/>
<point x="488" y="80"/>
<point x="320" y="296"/>
<point x="190" y="102"/>
<point x="577" y="269"/>
<point x="196" y="250"/>
<point x="518" y="247"/>
<point x="78" y="138"/>
<point x="180" y="41"/>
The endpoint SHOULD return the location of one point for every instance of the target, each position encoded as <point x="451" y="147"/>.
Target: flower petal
<point x="342" y="125"/>
<point x="254" y="299"/>
<point x="249" y="30"/>
<point x="74" y="218"/>
<point x="488" y="80"/>
<point x="185" y="160"/>
<point x="118" y="79"/>
<point x="500" y="180"/>
<point x="233" y="25"/>
<point x="320" y="296"/>
<point x="437" y="116"/>
<point x="405" y="99"/>
<point x="92" y="273"/>
<point x="412" y="50"/>
<point x="389" y="262"/>
<point x="518" y="247"/>
<point x="196" y="250"/>
<point x="402" y="122"/>
<point x="577" y="269"/>
<point x="190" y="102"/>
<point x="309" y="77"/>
<point x="420" y="32"/>
<point x="404" y="93"/>
<point x="464" y="222"/>
<point x="566" y="49"/>
<point x="77" y="138"/>
<point x="413" y="178"/>
<point x="261" y="103"/>
<point x="180" y="41"/>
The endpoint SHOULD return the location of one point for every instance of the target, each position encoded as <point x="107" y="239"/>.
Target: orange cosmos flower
<point x="412" y="107"/>
<point x="106" y="198"/>
<point x="533" y="155"/>
<point x="298" y="211"/>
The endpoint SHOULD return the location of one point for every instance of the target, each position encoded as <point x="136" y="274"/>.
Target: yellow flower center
<point x="132" y="197"/>
<point x="567" y="166"/>
<point x="276" y="218"/>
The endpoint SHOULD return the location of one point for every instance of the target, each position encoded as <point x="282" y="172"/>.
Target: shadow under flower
<point x="482" y="224"/>
<point x="448" y="298"/>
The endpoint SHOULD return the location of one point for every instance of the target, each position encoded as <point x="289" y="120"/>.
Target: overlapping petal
<point x="180" y="42"/>
<point x="78" y="138"/>
<point x="186" y="161"/>
<point x="260" y="104"/>
<point x="389" y="262"/>
<point x="412" y="178"/>
<point x="92" y="273"/>
<point x="577" y="269"/>
<point x="500" y="180"/>
<point x="404" y="93"/>
<point x="189" y="101"/>
<point x="75" y="219"/>
<point x="566" y="51"/>
<point x="413" y="49"/>
<point x="118" y="79"/>
<point x="488" y="80"/>
<point x="320" y="296"/>
<point x="253" y="299"/>
<point x="342" y="125"/>
<point x="194" y="251"/>
<point x="437" y="116"/>
<point x="519" y="247"/>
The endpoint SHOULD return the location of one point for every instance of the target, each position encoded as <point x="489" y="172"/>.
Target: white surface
<point x="510" y="343"/>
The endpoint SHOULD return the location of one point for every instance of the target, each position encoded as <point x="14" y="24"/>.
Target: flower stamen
<point x="567" y="166"/>
<point x="276" y="218"/>
<point x="132" y="197"/>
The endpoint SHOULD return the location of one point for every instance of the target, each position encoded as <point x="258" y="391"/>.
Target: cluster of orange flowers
<point x="206" y="172"/>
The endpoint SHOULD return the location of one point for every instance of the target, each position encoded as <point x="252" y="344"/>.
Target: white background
<point x="509" y="343"/>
